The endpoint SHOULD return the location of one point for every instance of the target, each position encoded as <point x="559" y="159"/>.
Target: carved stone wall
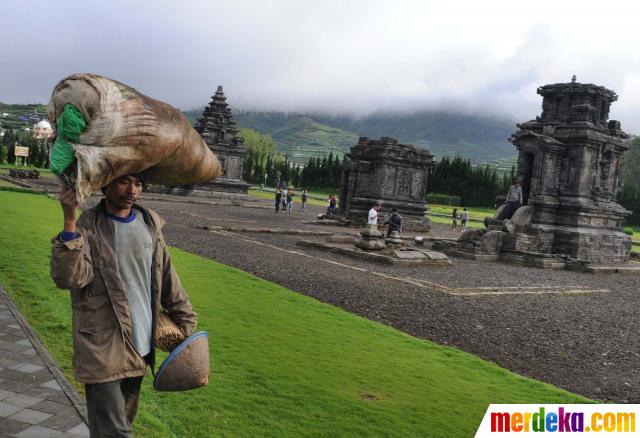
<point x="568" y="160"/>
<point x="385" y="170"/>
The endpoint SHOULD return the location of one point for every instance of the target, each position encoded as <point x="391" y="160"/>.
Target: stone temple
<point x="568" y="160"/>
<point x="385" y="170"/>
<point x="219" y="131"/>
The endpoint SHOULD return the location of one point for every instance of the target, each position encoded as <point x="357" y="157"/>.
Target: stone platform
<point x="418" y="257"/>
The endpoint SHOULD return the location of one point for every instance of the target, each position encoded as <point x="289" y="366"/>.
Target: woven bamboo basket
<point x="168" y="335"/>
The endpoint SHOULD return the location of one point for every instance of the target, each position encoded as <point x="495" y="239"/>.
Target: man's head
<point x="124" y="191"/>
<point x="378" y="205"/>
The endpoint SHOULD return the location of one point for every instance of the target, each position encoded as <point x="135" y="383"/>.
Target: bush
<point x="439" y="198"/>
<point x="628" y="231"/>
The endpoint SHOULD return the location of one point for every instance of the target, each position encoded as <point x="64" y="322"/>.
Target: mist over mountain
<point x="313" y="134"/>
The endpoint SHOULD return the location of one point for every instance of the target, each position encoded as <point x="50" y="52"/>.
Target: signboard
<point x="21" y="151"/>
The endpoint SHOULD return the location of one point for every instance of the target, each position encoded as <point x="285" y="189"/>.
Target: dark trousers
<point x="112" y="407"/>
<point x="510" y="209"/>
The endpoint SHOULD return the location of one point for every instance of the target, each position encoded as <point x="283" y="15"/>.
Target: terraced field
<point x="19" y="117"/>
<point x="302" y="138"/>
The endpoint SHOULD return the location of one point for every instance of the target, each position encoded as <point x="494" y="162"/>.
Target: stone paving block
<point x="4" y="394"/>
<point x="23" y="400"/>
<point x="26" y="367"/>
<point x="52" y="384"/>
<point x="13" y="337"/>
<point x="39" y="432"/>
<point x="15" y="326"/>
<point x="26" y="342"/>
<point x="79" y="430"/>
<point x="64" y="420"/>
<point x="18" y="376"/>
<point x="48" y="394"/>
<point x="51" y="407"/>
<point x="8" y="409"/>
<point x="58" y="396"/>
<point x="15" y="386"/>
<point x="11" y="427"/>
<point x="30" y="416"/>
<point x="29" y="352"/>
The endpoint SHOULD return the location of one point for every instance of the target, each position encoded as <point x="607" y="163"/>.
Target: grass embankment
<point x="4" y="169"/>
<point x="282" y="364"/>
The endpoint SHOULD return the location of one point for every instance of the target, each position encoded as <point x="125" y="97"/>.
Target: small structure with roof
<point x="388" y="171"/>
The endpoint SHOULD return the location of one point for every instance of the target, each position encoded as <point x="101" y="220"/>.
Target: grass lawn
<point x="282" y="364"/>
<point x="264" y="194"/>
<point x="4" y="169"/>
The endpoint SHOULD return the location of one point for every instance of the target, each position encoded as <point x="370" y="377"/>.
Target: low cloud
<point x="354" y="57"/>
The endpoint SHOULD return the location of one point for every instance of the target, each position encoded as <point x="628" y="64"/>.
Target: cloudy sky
<point x="338" y="56"/>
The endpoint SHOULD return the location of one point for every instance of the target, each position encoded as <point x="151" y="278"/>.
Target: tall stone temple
<point x="385" y="170"/>
<point x="568" y="160"/>
<point x="568" y="164"/>
<point x="219" y="131"/>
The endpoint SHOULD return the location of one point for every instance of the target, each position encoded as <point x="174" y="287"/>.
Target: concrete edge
<point x="75" y="398"/>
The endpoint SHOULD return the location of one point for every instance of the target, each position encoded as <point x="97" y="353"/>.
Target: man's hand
<point x="69" y="205"/>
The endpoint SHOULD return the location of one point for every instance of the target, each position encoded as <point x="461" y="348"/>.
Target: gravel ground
<point x="586" y="343"/>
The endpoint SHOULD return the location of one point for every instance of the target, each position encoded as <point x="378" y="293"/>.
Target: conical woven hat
<point x="187" y="367"/>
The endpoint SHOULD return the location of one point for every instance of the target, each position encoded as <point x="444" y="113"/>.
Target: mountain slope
<point x="301" y="138"/>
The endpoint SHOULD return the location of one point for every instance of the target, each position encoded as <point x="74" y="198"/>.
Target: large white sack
<point x="129" y="132"/>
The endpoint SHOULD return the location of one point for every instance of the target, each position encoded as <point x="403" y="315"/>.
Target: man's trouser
<point x="112" y="407"/>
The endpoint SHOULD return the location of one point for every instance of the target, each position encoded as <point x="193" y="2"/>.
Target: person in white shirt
<point x="373" y="214"/>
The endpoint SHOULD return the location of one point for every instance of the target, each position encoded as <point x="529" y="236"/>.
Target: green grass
<point x="265" y="194"/>
<point x="282" y="364"/>
<point x="4" y="169"/>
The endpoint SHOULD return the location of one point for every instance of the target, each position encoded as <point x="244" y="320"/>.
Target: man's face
<point x="124" y="191"/>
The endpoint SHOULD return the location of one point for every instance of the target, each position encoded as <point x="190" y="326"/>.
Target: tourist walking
<point x="303" y="200"/>
<point x="395" y="222"/>
<point x="454" y="217"/>
<point x="278" y="199"/>
<point x="284" y="200"/>
<point x="464" y="218"/>
<point x="514" y="199"/>
<point x="115" y="262"/>
<point x="290" y="195"/>
<point x="333" y="204"/>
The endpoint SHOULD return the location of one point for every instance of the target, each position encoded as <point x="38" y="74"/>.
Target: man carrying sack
<point x="116" y="264"/>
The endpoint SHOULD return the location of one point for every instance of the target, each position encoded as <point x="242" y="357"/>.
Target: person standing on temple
<point x="303" y="200"/>
<point x="514" y="199"/>
<point x="372" y="218"/>
<point x="395" y="222"/>
<point x="454" y="217"/>
<point x="333" y="204"/>
<point x="278" y="199"/>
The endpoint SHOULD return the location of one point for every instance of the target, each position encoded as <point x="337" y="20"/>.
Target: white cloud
<point x="340" y="56"/>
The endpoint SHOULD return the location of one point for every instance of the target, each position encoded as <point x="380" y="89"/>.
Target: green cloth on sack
<point x="70" y="126"/>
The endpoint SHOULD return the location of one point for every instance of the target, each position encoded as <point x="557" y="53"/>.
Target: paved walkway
<point x="36" y="400"/>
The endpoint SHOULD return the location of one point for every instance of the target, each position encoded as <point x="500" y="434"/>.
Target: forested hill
<point x="480" y="139"/>
<point x="303" y="135"/>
